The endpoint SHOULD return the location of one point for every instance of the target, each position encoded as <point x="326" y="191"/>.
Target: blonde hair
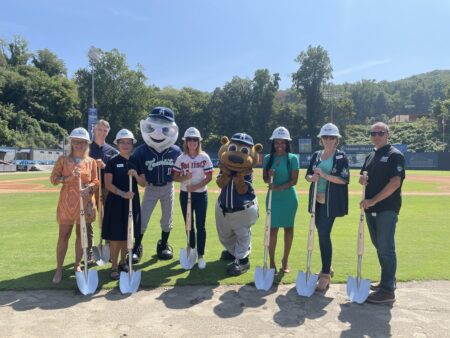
<point x="86" y="152"/>
<point x="186" y="149"/>
<point x="103" y="123"/>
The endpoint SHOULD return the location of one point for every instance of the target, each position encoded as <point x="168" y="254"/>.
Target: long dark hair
<point x="272" y="152"/>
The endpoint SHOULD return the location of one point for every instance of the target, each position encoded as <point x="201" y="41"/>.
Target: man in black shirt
<point x="385" y="167"/>
<point x="102" y="152"/>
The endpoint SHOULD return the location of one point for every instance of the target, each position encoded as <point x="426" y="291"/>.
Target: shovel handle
<point x="100" y="199"/>
<point x="312" y="222"/>
<point x="188" y="223"/>
<point x="268" y="217"/>
<point x="130" y="236"/>
<point x="361" y="222"/>
<point x="83" y="229"/>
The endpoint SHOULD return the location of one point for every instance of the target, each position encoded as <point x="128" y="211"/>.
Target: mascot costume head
<point x="159" y="130"/>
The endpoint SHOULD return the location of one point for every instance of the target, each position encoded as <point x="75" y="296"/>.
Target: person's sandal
<point x="285" y="267"/>
<point x="76" y="268"/>
<point x="324" y="282"/>
<point x="114" y="274"/>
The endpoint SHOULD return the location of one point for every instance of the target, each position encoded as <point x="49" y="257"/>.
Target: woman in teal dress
<point x="283" y="166"/>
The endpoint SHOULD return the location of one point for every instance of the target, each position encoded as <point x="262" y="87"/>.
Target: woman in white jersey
<point x="194" y="181"/>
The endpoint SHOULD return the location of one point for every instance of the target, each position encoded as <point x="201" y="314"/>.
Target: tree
<point x="314" y="72"/>
<point x="121" y="94"/>
<point x="15" y="52"/>
<point x="48" y="62"/>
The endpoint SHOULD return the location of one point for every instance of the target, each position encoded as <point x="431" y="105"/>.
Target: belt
<point x="231" y="210"/>
<point x="159" y="184"/>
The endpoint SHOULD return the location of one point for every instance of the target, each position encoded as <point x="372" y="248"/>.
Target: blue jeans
<point x="382" y="231"/>
<point x="324" y="224"/>
<point x="199" y="205"/>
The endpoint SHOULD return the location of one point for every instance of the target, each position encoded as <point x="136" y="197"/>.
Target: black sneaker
<point x="381" y="296"/>
<point x="238" y="267"/>
<point x="375" y="287"/>
<point x="164" y="252"/>
<point x="137" y="254"/>
<point x="226" y="256"/>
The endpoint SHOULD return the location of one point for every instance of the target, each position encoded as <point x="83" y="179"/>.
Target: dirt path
<point x="422" y="310"/>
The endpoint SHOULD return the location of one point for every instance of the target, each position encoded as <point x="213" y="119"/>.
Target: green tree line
<point x="39" y="104"/>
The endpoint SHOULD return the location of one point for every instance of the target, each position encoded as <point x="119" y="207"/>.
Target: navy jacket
<point x="336" y="197"/>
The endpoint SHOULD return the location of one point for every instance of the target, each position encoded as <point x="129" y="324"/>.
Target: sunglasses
<point x="126" y="142"/>
<point x="327" y="137"/>
<point x="188" y="139"/>
<point x="377" y="133"/>
<point x="78" y="142"/>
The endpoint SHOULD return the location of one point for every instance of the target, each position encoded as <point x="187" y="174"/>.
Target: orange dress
<point x="68" y="211"/>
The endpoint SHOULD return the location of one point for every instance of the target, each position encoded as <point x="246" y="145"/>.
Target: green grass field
<point x="29" y="233"/>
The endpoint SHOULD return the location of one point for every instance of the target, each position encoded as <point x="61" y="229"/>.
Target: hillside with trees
<point x="39" y="104"/>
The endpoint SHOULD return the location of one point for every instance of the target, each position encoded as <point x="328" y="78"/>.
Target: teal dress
<point x="285" y="202"/>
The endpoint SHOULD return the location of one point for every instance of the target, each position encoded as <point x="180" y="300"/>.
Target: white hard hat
<point x="124" y="133"/>
<point x="329" y="129"/>
<point x="193" y="133"/>
<point x="281" y="133"/>
<point x="80" y="133"/>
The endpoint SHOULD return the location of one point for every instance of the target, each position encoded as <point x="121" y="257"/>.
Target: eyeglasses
<point x="328" y="137"/>
<point x="78" y="142"/>
<point x="377" y="133"/>
<point x="129" y="143"/>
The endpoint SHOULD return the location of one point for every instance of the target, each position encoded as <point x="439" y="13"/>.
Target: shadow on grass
<point x="294" y="309"/>
<point x="365" y="319"/>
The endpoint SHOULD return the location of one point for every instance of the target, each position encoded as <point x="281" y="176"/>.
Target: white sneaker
<point x="201" y="263"/>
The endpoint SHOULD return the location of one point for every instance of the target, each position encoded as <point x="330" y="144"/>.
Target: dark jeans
<point x="382" y="231"/>
<point x="324" y="224"/>
<point x="199" y="205"/>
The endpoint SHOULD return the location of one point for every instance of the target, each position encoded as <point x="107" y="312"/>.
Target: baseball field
<point x="29" y="230"/>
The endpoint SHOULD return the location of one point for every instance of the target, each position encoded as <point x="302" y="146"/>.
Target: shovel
<point x="306" y="282"/>
<point x="358" y="288"/>
<point x="264" y="276"/>
<point x="87" y="280"/>
<point x="129" y="281"/>
<point x="188" y="255"/>
<point x="100" y="252"/>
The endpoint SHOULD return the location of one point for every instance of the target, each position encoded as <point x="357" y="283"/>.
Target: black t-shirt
<point x="382" y="165"/>
<point x="118" y="166"/>
<point x="104" y="153"/>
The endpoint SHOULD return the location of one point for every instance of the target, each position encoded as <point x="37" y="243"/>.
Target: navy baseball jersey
<point x="157" y="167"/>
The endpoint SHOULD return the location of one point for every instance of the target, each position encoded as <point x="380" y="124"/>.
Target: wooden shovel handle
<point x="188" y="223"/>
<point x="83" y="229"/>
<point x="312" y="222"/>
<point x="268" y="217"/>
<point x="361" y="222"/>
<point x="100" y="199"/>
<point x="130" y="235"/>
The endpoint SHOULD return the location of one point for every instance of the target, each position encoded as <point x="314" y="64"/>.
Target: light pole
<point x="94" y="55"/>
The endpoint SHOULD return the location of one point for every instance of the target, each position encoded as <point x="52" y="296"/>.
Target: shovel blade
<point x="127" y="284"/>
<point x="306" y="286"/>
<point x="188" y="258"/>
<point x="101" y="254"/>
<point x="358" y="293"/>
<point x="264" y="278"/>
<point x="87" y="285"/>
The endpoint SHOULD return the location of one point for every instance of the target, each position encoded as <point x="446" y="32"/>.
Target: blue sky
<point x="204" y="43"/>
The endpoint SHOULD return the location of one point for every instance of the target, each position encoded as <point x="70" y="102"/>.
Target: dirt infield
<point x="26" y="185"/>
<point x="422" y="310"/>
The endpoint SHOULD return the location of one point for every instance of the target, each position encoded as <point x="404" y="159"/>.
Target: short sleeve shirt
<point x="200" y="165"/>
<point x="118" y="166"/>
<point x="382" y="165"/>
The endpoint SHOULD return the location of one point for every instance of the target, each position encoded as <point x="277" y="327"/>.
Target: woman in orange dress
<point x="66" y="171"/>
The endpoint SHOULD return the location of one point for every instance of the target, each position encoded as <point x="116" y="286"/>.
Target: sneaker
<point x="164" y="252"/>
<point x="137" y="254"/>
<point x="381" y="296"/>
<point x="226" y="256"/>
<point x="238" y="267"/>
<point x="201" y="263"/>
<point x="375" y="287"/>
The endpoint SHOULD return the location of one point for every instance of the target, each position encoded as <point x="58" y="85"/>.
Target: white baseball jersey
<point x="200" y="165"/>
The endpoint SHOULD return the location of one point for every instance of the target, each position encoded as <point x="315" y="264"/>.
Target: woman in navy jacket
<point x="329" y="168"/>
